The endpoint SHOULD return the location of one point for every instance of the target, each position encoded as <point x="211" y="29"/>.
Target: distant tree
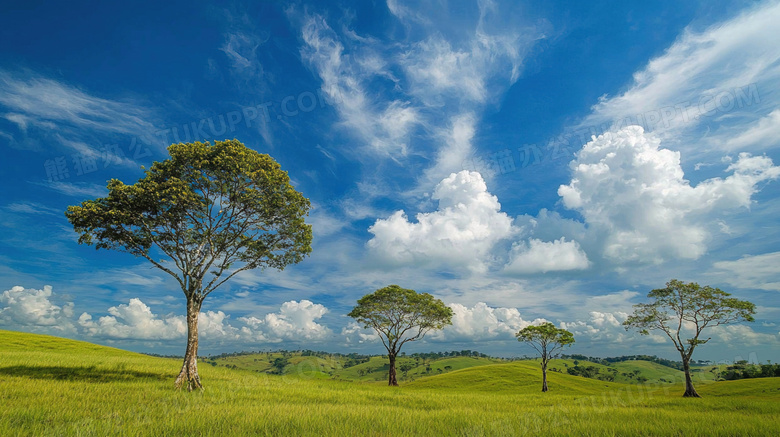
<point x="279" y="364"/>
<point x="202" y="216"/>
<point x="405" y="367"/>
<point x="400" y="315"/>
<point x="546" y="339"/>
<point x="684" y="310"/>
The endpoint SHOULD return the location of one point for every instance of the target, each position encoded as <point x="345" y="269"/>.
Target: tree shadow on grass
<point x="78" y="373"/>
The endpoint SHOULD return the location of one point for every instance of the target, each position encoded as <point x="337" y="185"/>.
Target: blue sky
<point x="522" y="162"/>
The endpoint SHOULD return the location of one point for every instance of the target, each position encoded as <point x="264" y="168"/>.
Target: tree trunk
<point x="544" y="376"/>
<point x="690" y="391"/>
<point x="189" y="369"/>
<point x="392" y="379"/>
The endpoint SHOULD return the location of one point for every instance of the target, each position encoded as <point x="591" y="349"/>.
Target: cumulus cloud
<point x="136" y="321"/>
<point x="295" y="321"/>
<point x="538" y="256"/>
<point x="482" y="322"/>
<point x="460" y="234"/>
<point x="34" y="309"/>
<point x="355" y="333"/>
<point x="634" y="192"/>
<point x="606" y="327"/>
<point x="742" y="335"/>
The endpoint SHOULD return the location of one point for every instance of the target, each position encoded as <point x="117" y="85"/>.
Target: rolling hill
<point x="53" y="386"/>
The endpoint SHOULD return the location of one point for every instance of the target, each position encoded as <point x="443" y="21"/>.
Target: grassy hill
<point x="376" y="368"/>
<point x="625" y="371"/>
<point x="51" y="386"/>
<point x="335" y="366"/>
<point x="516" y="377"/>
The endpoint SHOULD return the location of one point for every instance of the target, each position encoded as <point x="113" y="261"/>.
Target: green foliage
<point x="682" y="303"/>
<point x="743" y="370"/>
<point x="546" y="339"/>
<point x="400" y="315"/>
<point x="213" y="211"/>
<point x="279" y="364"/>
<point x="206" y="208"/>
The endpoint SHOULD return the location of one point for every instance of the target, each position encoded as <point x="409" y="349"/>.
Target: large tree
<point x="400" y="315"/>
<point x="547" y="340"/>
<point x="684" y="310"/>
<point x="202" y="216"/>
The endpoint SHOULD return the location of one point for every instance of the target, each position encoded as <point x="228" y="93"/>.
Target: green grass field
<point x="52" y="386"/>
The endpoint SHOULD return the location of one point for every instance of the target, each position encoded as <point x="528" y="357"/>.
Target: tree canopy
<point x="682" y="310"/>
<point x="547" y="340"/>
<point x="202" y="216"/>
<point x="400" y="315"/>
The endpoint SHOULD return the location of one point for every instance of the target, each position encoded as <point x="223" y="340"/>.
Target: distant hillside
<point x="375" y="368"/>
<point x="515" y="377"/>
<point x="346" y="367"/>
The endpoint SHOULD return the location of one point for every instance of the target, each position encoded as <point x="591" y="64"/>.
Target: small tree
<point x="400" y="315"/>
<point x="685" y="309"/>
<point x="279" y="364"/>
<point x="405" y="368"/>
<point x="202" y="216"/>
<point x="546" y="339"/>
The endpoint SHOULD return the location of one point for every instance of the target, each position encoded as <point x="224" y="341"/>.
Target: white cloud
<point x="32" y="308"/>
<point x="356" y="333"/>
<point x="482" y="322"/>
<point x="77" y="189"/>
<point x="384" y="127"/>
<point x="718" y="79"/>
<point x="435" y="83"/>
<point x="742" y="335"/>
<point x="32" y="208"/>
<point x="435" y="69"/>
<point x="761" y="134"/>
<point x="323" y="223"/>
<point x="751" y="271"/>
<point x="634" y="192"/>
<point x="606" y="327"/>
<point x="241" y="50"/>
<point x="457" y="147"/>
<point x="461" y="233"/>
<point x="438" y="69"/>
<point x="36" y="101"/>
<point x="295" y="321"/>
<point x="136" y="321"/>
<point x="214" y="326"/>
<point x="538" y="256"/>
